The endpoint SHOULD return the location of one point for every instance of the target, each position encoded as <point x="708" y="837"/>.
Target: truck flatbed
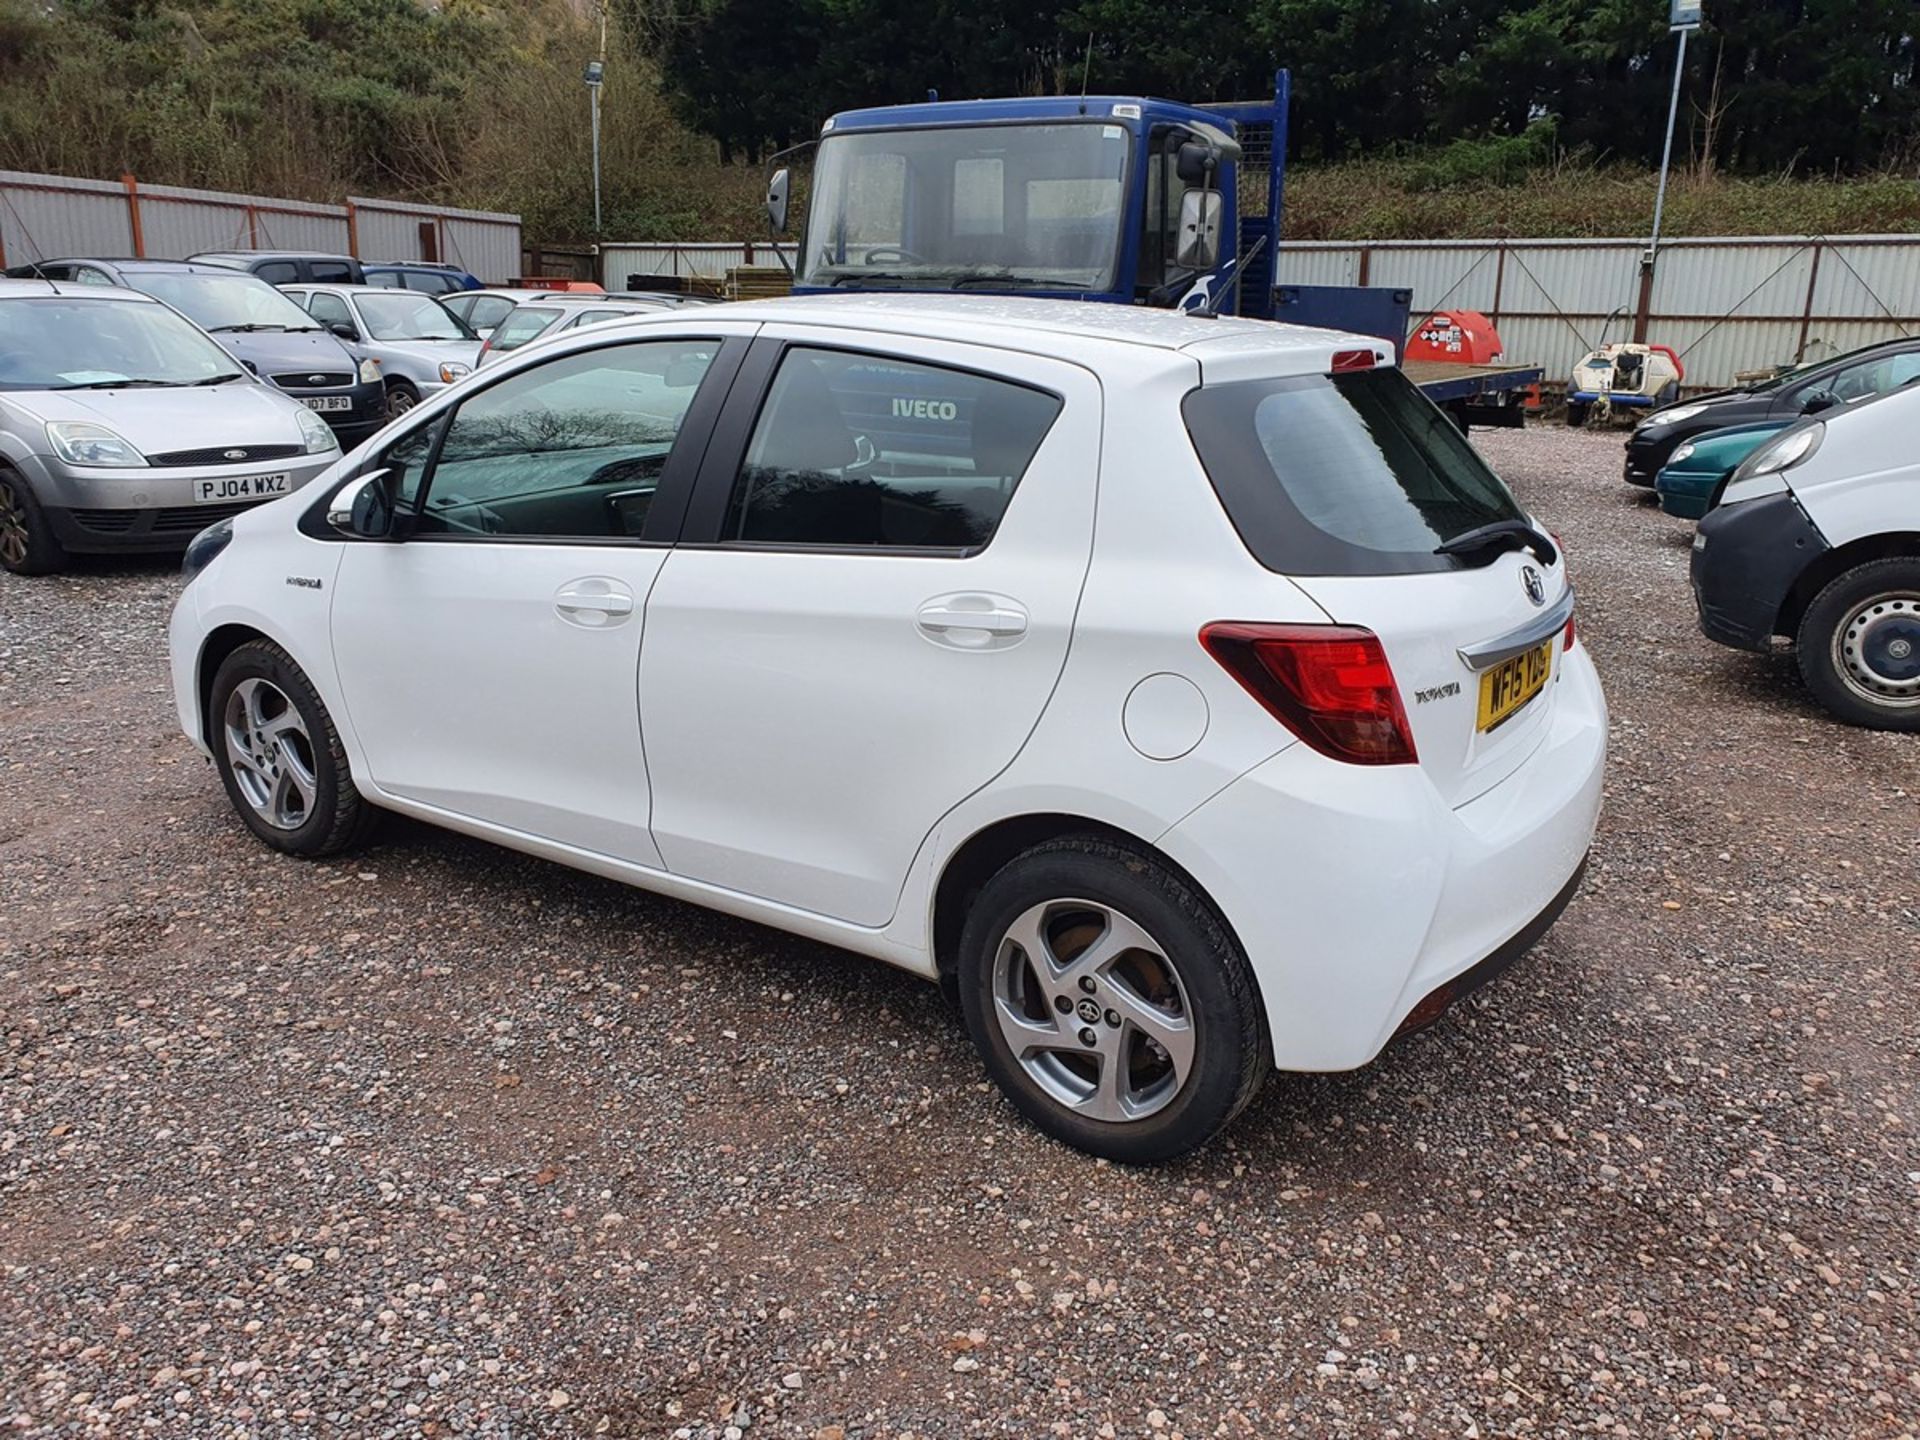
<point x="1443" y="382"/>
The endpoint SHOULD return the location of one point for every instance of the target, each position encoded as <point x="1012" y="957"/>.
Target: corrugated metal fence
<point x="46" y="216"/>
<point x="1725" y="305"/>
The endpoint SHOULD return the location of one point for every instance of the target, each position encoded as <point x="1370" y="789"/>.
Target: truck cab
<point x="1117" y="199"/>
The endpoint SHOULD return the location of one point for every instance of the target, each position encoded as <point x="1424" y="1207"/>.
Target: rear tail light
<point x="1329" y="684"/>
<point x="1566" y="639"/>
<point x="1352" y="360"/>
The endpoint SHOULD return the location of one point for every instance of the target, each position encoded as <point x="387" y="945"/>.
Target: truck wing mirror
<point x="1195" y="161"/>
<point x="777" y="201"/>
<point x="1198" y="245"/>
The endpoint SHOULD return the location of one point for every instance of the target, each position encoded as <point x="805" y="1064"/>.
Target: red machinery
<point x="1460" y="337"/>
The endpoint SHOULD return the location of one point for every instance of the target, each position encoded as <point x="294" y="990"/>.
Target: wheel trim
<point x="269" y="754"/>
<point x="401" y="401"/>
<point x="14" y="538"/>
<point x="1876" y="650"/>
<point x="1068" y="969"/>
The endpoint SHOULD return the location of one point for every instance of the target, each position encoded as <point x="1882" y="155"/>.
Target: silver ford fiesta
<point x="124" y="427"/>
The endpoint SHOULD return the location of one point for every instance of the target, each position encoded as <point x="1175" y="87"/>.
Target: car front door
<point x="868" y="609"/>
<point x="489" y="659"/>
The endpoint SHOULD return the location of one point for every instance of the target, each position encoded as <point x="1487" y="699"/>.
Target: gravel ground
<point x="438" y="1140"/>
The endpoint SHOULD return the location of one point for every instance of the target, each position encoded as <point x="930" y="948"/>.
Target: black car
<point x="257" y="325"/>
<point x="289" y="267"/>
<point x="1807" y="390"/>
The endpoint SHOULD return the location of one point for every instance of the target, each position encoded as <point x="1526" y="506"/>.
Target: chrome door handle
<point x="604" y="604"/>
<point x="994" y="621"/>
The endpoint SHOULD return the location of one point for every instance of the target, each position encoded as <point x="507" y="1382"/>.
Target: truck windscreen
<point x="1014" y="207"/>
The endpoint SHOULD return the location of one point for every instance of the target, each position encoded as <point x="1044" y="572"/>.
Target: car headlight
<point x="1679" y="412"/>
<point x="202" y="549"/>
<point x="1790" y="449"/>
<point x="315" y="433"/>
<point x="1685" y="452"/>
<point x="369" y="371"/>
<point x="80" y="443"/>
<point x="450" y="372"/>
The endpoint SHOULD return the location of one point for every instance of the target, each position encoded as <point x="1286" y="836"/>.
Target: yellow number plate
<point x="1512" y="683"/>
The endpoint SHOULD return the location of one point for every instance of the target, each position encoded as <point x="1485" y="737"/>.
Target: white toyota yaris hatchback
<point x="1184" y="693"/>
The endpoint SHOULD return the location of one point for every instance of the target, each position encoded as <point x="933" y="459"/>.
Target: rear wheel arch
<point x="988" y="849"/>
<point x="1835" y="563"/>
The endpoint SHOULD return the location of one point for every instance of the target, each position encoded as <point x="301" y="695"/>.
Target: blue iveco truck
<point x="1112" y="199"/>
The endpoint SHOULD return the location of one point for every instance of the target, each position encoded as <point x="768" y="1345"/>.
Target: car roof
<point x="997" y="319"/>
<point x="440" y="265"/>
<point x="273" y="255"/>
<point x="71" y="290"/>
<point x="344" y="287"/>
<point x="134" y="263"/>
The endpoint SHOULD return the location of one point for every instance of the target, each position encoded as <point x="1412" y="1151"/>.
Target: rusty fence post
<point x="1806" y="314"/>
<point x="133" y="215"/>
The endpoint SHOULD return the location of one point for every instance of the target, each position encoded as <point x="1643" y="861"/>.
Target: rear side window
<point x="1354" y="474"/>
<point x="524" y="324"/>
<point x="277" y="272"/>
<point x="332" y="272"/>
<point x="389" y="279"/>
<point x="870" y="452"/>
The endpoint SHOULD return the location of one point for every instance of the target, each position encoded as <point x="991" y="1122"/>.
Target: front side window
<point x="91" y="275"/>
<point x="870" y="452"/>
<point x="1351" y="474"/>
<point x="1875" y="377"/>
<point x="277" y="272"/>
<point x="1019" y="207"/>
<point x="527" y="322"/>
<point x="330" y="310"/>
<point x="483" y="313"/>
<point x="572" y="449"/>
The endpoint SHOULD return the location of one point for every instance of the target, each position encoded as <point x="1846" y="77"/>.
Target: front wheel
<point x="280" y="757"/>
<point x="28" y="545"/>
<point x="1109" y="1002"/>
<point x="1859" y="645"/>
<point x="401" y="397"/>
<point x="1576" y="413"/>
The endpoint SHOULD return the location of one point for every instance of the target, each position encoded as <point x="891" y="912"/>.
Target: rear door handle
<point x="982" y="614"/>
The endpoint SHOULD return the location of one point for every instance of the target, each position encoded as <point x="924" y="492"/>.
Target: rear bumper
<point x="1358" y="893"/>
<point x="1746" y="559"/>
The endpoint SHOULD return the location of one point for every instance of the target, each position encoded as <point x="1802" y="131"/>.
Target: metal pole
<point x="1666" y="153"/>
<point x="596" y="152"/>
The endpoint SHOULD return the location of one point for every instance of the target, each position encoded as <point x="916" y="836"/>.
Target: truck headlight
<point x="369" y="371"/>
<point x="315" y="434"/>
<point x="78" y="442"/>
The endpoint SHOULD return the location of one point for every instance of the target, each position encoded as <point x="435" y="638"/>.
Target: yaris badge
<point x="1536" y="586"/>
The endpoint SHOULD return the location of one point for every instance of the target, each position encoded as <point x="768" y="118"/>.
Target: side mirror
<point x="363" y="507"/>
<point x="343" y="330"/>
<point x="1198" y="244"/>
<point x="777" y="189"/>
<point x="1818" y="400"/>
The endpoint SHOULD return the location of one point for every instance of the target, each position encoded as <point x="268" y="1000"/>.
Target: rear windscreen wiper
<point x="1502" y="535"/>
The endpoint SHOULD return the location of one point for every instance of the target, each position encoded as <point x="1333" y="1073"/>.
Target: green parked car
<point x="1689" y="483"/>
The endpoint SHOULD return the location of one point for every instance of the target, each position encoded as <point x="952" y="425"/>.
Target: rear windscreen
<point x="1355" y="474"/>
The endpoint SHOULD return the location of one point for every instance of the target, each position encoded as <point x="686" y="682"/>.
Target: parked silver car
<point x="546" y="315"/>
<point x="422" y="347"/>
<point x="123" y="427"/>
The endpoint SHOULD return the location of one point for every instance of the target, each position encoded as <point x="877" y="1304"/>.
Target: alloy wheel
<point x="14" y="537"/>
<point x="1094" y="1010"/>
<point x="270" y="753"/>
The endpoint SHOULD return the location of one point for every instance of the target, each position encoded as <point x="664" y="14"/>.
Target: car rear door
<point x="868" y="610"/>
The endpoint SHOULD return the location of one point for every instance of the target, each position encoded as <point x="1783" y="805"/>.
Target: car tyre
<point x="401" y="397"/>
<point x="1576" y="414"/>
<point x="28" y="545"/>
<point x="1859" y="645"/>
<point x="280" y="756"/>
<point x="1110" y="1002"/>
